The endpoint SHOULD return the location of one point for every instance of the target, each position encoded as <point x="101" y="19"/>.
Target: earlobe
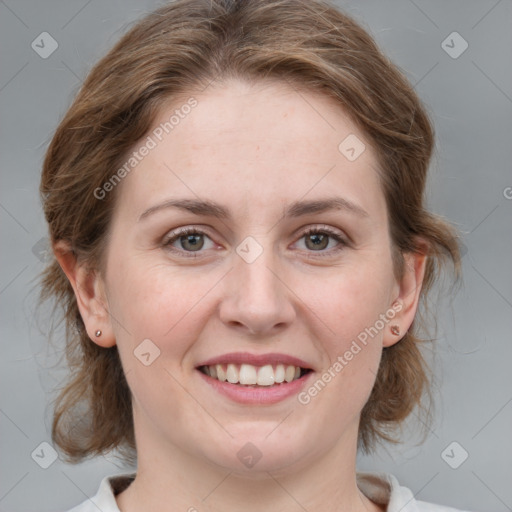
<point x="408" y="295"/>
<point x="90" y="296"/>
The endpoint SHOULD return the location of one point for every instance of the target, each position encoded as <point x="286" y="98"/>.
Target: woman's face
<point x="248" y="285"/>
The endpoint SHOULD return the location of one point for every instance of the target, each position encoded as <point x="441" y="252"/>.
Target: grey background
<point x="470" y="100"/>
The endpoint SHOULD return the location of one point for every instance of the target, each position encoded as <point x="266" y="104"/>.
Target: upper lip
<point x="256" y="359"/>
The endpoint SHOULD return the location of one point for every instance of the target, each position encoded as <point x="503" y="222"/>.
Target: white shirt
<point x="382" y="488"/>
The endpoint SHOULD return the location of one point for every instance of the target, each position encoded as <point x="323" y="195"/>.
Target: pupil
<point x="194" y="241"/>
<point x="318" y="240"/>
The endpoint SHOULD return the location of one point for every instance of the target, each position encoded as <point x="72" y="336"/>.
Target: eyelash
<point x="169" y="240"/>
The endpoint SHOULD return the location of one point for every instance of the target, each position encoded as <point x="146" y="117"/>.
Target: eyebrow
<point x="296" y="209"/>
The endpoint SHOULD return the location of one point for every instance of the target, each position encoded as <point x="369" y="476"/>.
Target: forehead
<point x="249" y="143"/>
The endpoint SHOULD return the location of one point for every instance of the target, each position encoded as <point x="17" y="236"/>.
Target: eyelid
<point x="184" y="230"/>
<point x="320" y="228"/>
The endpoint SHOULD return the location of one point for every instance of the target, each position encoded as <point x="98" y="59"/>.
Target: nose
<point x="257" y="300"/>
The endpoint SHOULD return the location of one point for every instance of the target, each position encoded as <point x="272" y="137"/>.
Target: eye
<point x="190" y="241"/>
<point x="318" y="239"/>
<point x="187" y="240"/>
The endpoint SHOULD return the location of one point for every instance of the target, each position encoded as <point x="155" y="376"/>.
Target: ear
<point x="90" y="295"/>
<point x="406" y="295"/>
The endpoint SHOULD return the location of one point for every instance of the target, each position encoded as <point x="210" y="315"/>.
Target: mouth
<point x="248" y="375"/>
<point x="255" y="379"/>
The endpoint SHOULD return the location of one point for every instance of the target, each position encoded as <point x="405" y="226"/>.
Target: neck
<point x="172" y="479"/>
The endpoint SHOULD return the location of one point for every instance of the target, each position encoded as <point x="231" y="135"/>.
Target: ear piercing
<point x="97" y="333"/>
<point x="395" y="330"/>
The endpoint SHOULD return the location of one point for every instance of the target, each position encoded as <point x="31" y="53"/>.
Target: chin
<point x="253" y="454"/>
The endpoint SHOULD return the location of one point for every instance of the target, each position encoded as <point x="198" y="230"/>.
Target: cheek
<point x="156" y="318"/>
<point x="352" y="306"/>
<point x="353" y="302"/>
<point x="146" y="293"/>
<point x="155" y="302"/>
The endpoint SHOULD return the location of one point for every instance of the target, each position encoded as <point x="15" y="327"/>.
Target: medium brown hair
<point x="182" y="47"/>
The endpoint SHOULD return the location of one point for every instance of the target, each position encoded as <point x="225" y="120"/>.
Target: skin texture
<point x="254" y="149"/>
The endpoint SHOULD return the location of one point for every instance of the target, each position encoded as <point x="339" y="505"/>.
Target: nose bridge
<point x="254" y="268"/>
<point x="257" y="298"/>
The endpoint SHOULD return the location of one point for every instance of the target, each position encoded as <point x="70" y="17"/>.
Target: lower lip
<point x="263" y="395"/>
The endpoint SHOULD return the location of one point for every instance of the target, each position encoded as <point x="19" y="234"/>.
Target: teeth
<point x="232" y="374"/>
<point x="221" y="374"/>
<point x="247" y="374"/>
<point x="289" y="374"/>
<point x="265" y="376"/>
<point x="279" y="373"/>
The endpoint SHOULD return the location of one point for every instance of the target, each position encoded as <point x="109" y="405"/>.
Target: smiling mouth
<point x="254" y="376"/>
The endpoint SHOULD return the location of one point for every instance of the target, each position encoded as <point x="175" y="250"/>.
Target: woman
<point x="235" y="200"/>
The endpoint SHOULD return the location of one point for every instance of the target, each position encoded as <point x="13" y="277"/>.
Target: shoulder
<point x="104" y="499"/>
<point x="384" y="489"/>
